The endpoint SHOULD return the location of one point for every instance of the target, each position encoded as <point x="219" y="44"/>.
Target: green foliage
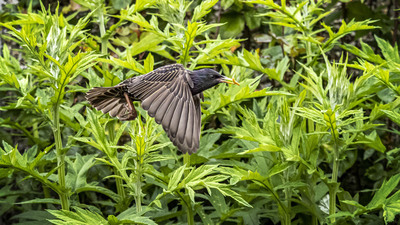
<point x="312" y="113"/>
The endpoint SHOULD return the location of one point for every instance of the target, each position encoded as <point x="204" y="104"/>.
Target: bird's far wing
<point x="166" y="95"/>
<point x="108" y="100"/>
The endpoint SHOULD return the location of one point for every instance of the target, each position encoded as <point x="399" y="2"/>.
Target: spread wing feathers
<point x="173" y="106"/>
<point x="110" y="100"/>
<point x="192" y="129"/>
<point x="143" y="86"/>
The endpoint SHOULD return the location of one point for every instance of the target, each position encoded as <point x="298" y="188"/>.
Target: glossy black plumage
<point x="171" y="94"/>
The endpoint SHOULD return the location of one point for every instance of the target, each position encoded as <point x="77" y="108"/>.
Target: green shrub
<point x="311" y="112"/>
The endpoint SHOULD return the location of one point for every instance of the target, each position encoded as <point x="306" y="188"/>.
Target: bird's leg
<point x="131" y="108"/>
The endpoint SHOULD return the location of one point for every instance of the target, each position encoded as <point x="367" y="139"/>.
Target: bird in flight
<point x="171" y="94"/>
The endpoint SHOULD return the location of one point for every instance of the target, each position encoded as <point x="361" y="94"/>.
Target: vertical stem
<point x="104" y="39"/>
<point x="218" y="19"/>
<point x="288" y="196"/>
<point x="333" y="188"/>
<point x="120" y="185"/>
<point x="140" y="149"/>
<point x="396" y="21"/>
<point x="60" y="157"/>
<point x="285" y="209"/>
<point x="314" y="220"/>
<point x="46" y="190"/>
<point x="189" y="210"/>
<point x="189" y="213"/>
<point x="281" y="44"/>
<point x="118" y="181"/>
<point x="186" y="160"/>
<point x="35" y="131"/>
<point x="138" y="194"/>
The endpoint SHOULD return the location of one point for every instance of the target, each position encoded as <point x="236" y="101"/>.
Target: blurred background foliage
<point x="310" y="137"/>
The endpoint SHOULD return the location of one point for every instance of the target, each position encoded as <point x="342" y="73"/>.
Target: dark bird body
<point x="171" y="94"/>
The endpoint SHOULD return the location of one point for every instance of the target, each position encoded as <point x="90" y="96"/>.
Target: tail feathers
<point x="110" y="100"/>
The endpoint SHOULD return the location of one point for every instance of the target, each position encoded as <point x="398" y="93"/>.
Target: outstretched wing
<point x="110" y="100"/>
<point x="165" y="93"/>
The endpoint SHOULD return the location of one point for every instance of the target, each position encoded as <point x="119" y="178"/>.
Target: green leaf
<point x="390" y="211"/>
<point x="252" y="21"/>
<point x="176" y="178"/>
<point x="203" y="9"/>
<point x="344" y="30"/>
<point x="354" y="203"/>
<point x="389" y="52"/>
<point x="291" y="185"/>
<point x="148" y="42"/>
<point x="366" y="52"/>
<point x="199" y="173"/>
<point x="119" y="4"/>
<point x="130" y="216"/>
<point x="148" y="63"/>
<point x="41" y="201"/>
<point x="92" y="188"/>
<point x="372" y="140"/>
<point x="227" y="191"/>
<point x="80" y="217"/>
<point x="394" y="116"/>
<point x="234" y="25"/>
<point x="383" y="192"/>
<point x="38" y="216"/>
<point x="263" y="148"/>
<point x="77" y="170"/>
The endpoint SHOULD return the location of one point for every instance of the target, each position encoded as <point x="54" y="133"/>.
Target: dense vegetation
<point x="311" y="136"/>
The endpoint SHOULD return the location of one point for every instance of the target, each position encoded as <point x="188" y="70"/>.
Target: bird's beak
<point x="229" y="80"/>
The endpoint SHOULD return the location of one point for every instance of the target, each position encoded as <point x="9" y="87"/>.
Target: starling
<point x="171" y="94"/>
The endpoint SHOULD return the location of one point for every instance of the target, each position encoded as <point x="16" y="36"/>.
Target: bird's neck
<point x="199" y="84"/>
<point x="197" y="88"/>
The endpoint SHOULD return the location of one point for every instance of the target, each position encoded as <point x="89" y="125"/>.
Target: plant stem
<point x="288" y="196"/>
<point x="186" y="160"/>
<point x="46" y="189"/>
<point x="104" y="37"/>
<point x="60" y="157"/>
<point x="187" y="205"/>
<point x="314" y="220"/>
<point x="189" y="210"/>
<point x="118" y="181"/>
<point x="218" y="19"/>
<point x="138" y="184"/>
<point x="189" y="213"/>
<point x="104" y="40"/>
<point x="138" y="194"/>
<point x="333" y="188"/>
<point x="120" y="185"/>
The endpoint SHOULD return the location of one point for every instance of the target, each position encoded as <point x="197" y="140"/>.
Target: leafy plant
<point x="316" y="109"/>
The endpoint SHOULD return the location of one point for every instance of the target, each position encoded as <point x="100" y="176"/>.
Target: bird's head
<point x="206" y="78"/>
